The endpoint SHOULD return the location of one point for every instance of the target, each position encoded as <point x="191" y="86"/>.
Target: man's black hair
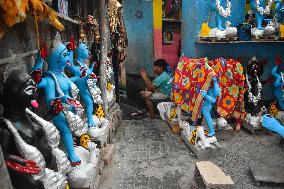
<point x="161" y="63"/>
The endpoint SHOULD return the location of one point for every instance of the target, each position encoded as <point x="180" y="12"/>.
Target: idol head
<point x="254" y="67"/>
<point x="59" y="56"/>
<point x="83" y="51"/>
<point x="19" y="91"/>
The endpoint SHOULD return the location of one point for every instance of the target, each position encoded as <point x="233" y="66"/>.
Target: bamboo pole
<point x="103" y="58"/>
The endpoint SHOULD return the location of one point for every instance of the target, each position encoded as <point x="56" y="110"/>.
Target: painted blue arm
<point x="277" y="82"/>
<point x="74" y="79"/>
<point x="38" y="62"/>
<point x="217" y="89"/>
<point x="42" y="84"/>
<point x="272" y="124"/>
<point x="210" y="99"/>
<point x="71" y="66"/>
<point x="92" y="65"/>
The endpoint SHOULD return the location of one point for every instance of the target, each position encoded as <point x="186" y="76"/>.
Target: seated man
<point x="160" y="89"/>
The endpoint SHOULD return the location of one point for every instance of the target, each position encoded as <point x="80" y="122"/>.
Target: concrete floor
<point x="149" y="156"/>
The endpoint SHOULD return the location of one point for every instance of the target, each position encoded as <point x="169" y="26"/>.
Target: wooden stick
<point x="37" y="31"/>
<point x="103" y="58"/>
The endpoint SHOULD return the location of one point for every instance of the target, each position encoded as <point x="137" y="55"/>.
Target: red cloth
<point x="231" y="81"/>
<point x="191" y="76"/>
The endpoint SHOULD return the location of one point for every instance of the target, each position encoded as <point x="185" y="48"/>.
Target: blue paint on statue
<point x="220" y="20"/>
<point x="279" y="9"/>
<point x="273" y="124"/>
<point x="210" y="99"/>
<point x="81" y="74"/>
<point x="259" y="17"/>
<point x="57" y="61"/>
<point x="278" y="84"/>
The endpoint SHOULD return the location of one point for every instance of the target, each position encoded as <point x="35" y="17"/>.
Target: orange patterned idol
<point x="191" y="76"/>
<point x="231" y="81"/>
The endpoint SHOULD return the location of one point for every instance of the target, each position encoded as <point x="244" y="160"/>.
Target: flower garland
<point x="251" y="97"/>
<point x="262" y="10"/>
<point x="224" y="12"/>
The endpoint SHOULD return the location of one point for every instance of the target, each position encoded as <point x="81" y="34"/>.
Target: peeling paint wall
<point x="138" y="17"/>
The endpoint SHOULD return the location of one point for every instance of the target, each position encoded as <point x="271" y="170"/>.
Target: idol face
<point x="63" y="59"/>
<point x="20" y="90"/>
<point x="255" y="68"/>
<point x="83" y="51"/>
<point x="58" y="59"/>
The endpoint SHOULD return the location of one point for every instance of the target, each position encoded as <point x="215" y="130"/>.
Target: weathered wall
<point x="170" y="51"/>
<point x="138" y="17"/>
<point x="195" y="12"/>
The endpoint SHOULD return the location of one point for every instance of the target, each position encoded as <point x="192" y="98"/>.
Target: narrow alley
<point x="141" y="94"/>
<point x="149" y="156"/>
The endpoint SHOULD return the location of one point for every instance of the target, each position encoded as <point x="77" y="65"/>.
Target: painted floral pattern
<point x="234" y="90"/>
<point x="191" y="76"/>
<point x="228" y="102"/>
<point x="231" y="77"/>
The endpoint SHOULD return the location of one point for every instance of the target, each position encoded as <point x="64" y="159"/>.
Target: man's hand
<point x="143" y="73"/>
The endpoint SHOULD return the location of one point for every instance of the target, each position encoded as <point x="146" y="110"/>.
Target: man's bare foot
<point x="149" y="115"/>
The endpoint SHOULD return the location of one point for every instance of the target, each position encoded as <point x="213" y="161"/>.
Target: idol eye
<point x="65" y="55"/>
<point x="32" y="81"/>
<point x="30" y="90"/>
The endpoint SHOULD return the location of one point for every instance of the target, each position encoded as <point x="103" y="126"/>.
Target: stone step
<point x="268" y="172"/>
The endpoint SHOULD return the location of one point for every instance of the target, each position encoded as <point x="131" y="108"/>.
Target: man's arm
<point x="147" y="81"/>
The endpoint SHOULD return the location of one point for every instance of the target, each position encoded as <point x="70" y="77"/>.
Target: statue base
<point x="94" y="175"/>
<point x="102" y="139"/>
<point x="174" y="126"/>
<point x="214" y="39"/>
<point x="265" y="38"/>
<point x="199" y="152"/>
<point x="252" y="129"/>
